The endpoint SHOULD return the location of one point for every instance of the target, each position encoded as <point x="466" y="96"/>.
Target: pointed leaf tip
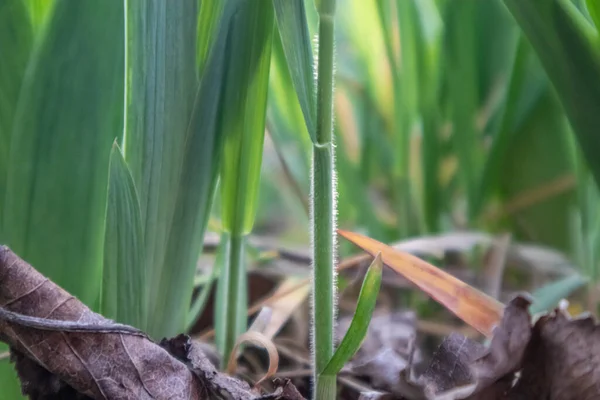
<point x="474" y="307"/>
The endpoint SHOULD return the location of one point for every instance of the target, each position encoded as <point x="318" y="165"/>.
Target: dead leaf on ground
<point x="63" y="350"/>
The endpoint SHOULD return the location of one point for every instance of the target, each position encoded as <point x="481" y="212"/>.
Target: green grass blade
<point x="172" y="143"/>
<point x="492" y="169"/>
<point x="294" y="33"/>
<point x="243" y="119"/>
<point x="593" y="8"/>
<point x="39" y="11"/>
<point x="16" y="39"/>
<point x="208" y="26"/>
<point x="463" y="91"/>
<point x="567" y="46"/>
<point x="69" y="113"/>
<point x="124" y="274"/>
<point x="359" y="326"/>
<point x="548" y="296"/>
<point x="160" y="92"/>
<point x="244" y="116"/>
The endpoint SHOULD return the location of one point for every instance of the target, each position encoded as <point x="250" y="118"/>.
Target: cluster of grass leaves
<point x="123" y="129"/>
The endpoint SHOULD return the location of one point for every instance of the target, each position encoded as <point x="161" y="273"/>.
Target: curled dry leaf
<point x="63" y="350"/>
<point x="258" y="339"/>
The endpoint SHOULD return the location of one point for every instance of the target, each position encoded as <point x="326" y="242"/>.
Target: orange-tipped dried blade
<point x="474" y="307"/>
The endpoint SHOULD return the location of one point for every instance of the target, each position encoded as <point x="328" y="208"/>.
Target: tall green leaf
<point x="16" y="37"/>
<point x="124" y="274"/>
<point x="294" y="33"/>
<point x="567" y="45"/>
<point x="463" y="91"/>
<point x="171" y="141"/>
<point x="243" y="124"/>
<point x="69" y="112"/>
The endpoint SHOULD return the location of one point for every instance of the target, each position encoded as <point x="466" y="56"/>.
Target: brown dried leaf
<point x="562" y="361"/>
<point x="63" y="350"/>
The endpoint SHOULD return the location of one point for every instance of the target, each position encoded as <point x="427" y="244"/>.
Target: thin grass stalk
<point x="323" y="208"/>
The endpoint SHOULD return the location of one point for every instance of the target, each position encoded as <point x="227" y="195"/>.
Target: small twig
<point x="4" y="355"/>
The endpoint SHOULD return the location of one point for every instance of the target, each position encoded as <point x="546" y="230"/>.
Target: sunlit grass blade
<point x="70" y="111"/>
<point x="567" y="46"/>
<point x="124" y="273"/>
<point x="16" y="39"/>
<point x="39" y="11"/>
<point x="293" y="31"/>
<point x="243" y="126"/>
<point x="593" y="8"/>
<point x="474" y="307"/>
<point x="359" y="325"/>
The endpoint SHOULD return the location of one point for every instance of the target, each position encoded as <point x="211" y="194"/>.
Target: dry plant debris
<point x="63" y="350"/>
<point x="555" y="358"/>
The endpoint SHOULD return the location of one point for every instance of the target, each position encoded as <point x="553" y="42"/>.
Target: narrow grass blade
<point x="593" y="8"/>
<point x="463" y="92"/>
<point x="492" y="168"/>
<point x="124" y="274"/>
<point x="69" y="112"/>
<point x="243" y="126"/>
<point x="360" y="321"/>
<point x="567" y="46"/>
<point x="40" y="11"/>
<point x="475" y="308"/>
<point x="244" y="116"/>
<point x="549" y="295"/>
<point x="16" y="40"/>
<point x="293" y="31"/>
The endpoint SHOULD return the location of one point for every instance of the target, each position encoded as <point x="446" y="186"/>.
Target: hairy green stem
<point x="323" y="209"/>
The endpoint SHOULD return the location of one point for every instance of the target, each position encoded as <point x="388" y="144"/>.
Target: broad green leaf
<point x="124" y="274"/>
<point x="548" y="296"/>
<point x="244" y="115"/>
<point x="359" y="325"/>
<point x="69" y="112"/>
<point x="171" y="144"/>
<point x="161" y="86"/>
<point x="294" y="33"/>
<point x="567" y="46"/>
<point x="16" y="40"/>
